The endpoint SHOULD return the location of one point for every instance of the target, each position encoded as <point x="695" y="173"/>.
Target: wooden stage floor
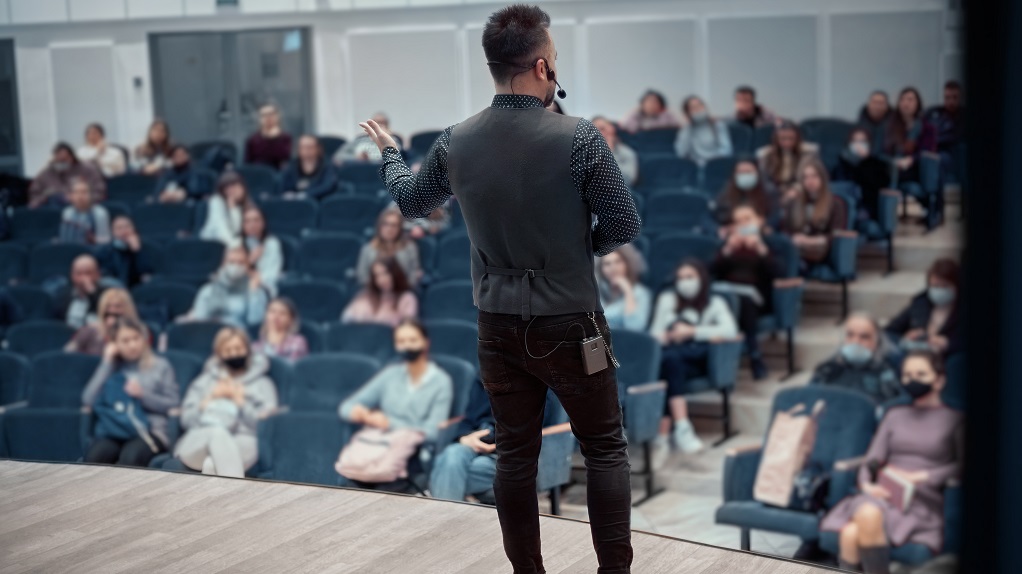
<point x="91" y="518"/>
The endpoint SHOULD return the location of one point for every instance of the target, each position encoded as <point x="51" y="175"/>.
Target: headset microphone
<point x="560" y="91"/>
<point x="553" y="76"/>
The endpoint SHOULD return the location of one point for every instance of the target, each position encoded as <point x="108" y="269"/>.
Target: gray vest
<point x="532" y="248"/>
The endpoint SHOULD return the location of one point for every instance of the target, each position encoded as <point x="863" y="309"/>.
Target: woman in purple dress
<point x="922" y="443"/>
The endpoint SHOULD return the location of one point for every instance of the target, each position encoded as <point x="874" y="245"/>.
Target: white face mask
<point x="746" y="180"/>
<point x="688" y="288"/>
<point x="860" y="148"/>
<point x="234" y="271"/>
<point x="941" y="296"/>
<point x="748" y="230"/>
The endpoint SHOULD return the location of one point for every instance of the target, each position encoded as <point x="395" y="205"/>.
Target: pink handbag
<point x="375" y="455"/>
<point x="789" y="444"/>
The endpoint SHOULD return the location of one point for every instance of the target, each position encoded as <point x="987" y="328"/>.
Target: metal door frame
<point x="14" y="164"/>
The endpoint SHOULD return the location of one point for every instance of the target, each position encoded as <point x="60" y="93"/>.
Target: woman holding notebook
<point x="914" y="453"/>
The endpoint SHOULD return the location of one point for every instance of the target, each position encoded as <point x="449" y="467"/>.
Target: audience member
<point x="748" y="111"/>
<point x="948" y="119"/>
<point x="931" y="320"/>
<point x="467" y="467"/>
<point x="387" y="299"/>
<point x="702" y="138"/>
<point x="153" y="155"/>
<point x="280" y="336"/>
<point x="626" y="301"/>
<point x="746" y="186"/>
<point x="390" y="240"/>
<point x="908" y="135"/>
<point x="438" y="221"/>
<point x="861" y="166"/>
<point x="78" y="301"/>
<point x="131" y="394"/>
<point x="82" y="222"/>
<point x="746" y="266"/>
<point x="94" y="336"/>
<point x="811" y="212"/>
<point x="779" y="160"/>
<point x="126" y="258"/>
<point x="625" y="156"/>
<point x="652" y="114"/>
<point x="110" y="160"/>
<point x="309" y="175"/>
<point x="223" y="407"/>
<point x="235" y="295"/>
<point x="183" y="181"/>
<point x="225" y="209"/>
<point x="921" y="443"/>
<point x="412" y="394"/>
<point x="861" y="362"/>
<point x="874" y="116"/>
<point x="265" y="253"/>
<point x="685" y="318"/>
<point x="271" y="145"/>
<point x="52" y="184"/>
<point x="362" y="148"/>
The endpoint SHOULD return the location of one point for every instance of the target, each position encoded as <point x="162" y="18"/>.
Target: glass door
<point x="10" y="137"/>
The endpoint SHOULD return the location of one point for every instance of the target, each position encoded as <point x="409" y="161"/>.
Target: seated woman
<point x="387" y="299"/>
<point x="859" y="164"/>
<point x="108" y="159"/>
<point x="652" y="114"/>
<point x="130" y="393"/>
<point x="921" y="443"/>
<point x="265" y="254"/>
<point x="779" y="161"/>
<point x="235" y="294"/>
<point x="412" y="394"/>
<point x="92" y="339"/>
<point x="745" y="263"/>
<point x="51" y="186"/>
<point x="908" y="135"/>
<point x="703" y="138"/>
<point x="223" y="407"/>
<point x="811" y="212"/>
<point x="685" y="319"/>
<point x="390" y="241"/>
<point x="931" y="319"/>
<point x="153" y="155"/>
<point x="746" y="186"/>
<point x="224" y="210"/>
<point x="468" y="467"/>
<point x="626" y="301"/>
<point x="861" y="361"/>
<point x="279" y="336"/>
<point x="309" y="175"/>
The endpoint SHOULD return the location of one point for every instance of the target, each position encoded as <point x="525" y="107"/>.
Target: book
<point x="901" y="488"/>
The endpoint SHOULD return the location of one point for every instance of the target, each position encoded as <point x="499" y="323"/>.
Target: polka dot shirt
<point x="594" y="171"/>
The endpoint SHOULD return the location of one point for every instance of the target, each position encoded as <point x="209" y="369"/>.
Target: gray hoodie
<point x="260" y="393"/>
<point x="160" y="391"/>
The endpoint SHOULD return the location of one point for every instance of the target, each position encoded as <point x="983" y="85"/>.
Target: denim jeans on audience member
<point x="517" y="385"/>
<point x="460" y="471"/>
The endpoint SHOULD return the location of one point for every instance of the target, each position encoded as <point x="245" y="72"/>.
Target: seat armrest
<point x="643" y="408"/>
<point x="740" y="468"/>
<point x="888" y="210"/>
<point x="646" y="388"/>
<point x="557" y="429"/>
<point x="450" y="422"/>
<point x="787" y="301"/>
<point x="275" y="411"/>
<point x="12" y="406"/>
<point x="844" y="247"/>
<point x="723" y="361"/>
<point x="848" y="464"/>
<point x="447" y="433"/>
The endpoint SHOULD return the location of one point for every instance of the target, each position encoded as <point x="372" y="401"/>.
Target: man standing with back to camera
<point x="528" y="181"/>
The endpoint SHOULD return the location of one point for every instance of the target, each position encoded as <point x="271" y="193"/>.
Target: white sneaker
<point x="661" y="452"/>
<point x="685" y="438"/>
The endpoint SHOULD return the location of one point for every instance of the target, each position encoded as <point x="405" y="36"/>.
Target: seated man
<point x="126" y="258"/>
<point x="468" y="466"/>
<point x="78" y="301"/>
<point x="861" y="362"/>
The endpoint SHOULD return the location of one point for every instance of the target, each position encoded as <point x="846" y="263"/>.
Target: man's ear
<point x="541" y="70"/>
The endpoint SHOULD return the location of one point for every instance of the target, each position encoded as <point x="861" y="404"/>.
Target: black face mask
<point x="236" y="363"/>
<point x="410" y="354"/>
<point x="917" y="389"/>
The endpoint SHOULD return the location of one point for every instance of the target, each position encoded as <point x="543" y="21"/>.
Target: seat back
<point x="330" y="257"/>
<point x="58" y="379"/>
<point x="955" y="391"/>
<point x="463" y="375"/>
<point x="784" y="252"/>
<point x="454" y="337"/>
<point x="116" y="209"/>
<point x="162" y="221"/>
<point x="363" y="178"/>
<point x="741" y="138"/>
<point x="366" y="339"/>
<point x="449" y="300"/>
<point x="639" y="355"/>
<point x="261" y="180"/>
<point x="13" y="263"/>
<point x="175" y="298"/>
<point x="830" y="134"/>
<point x="671" y="173"/>
<point x="716" y="173"/>
<point x="651" y="142"/>
<point x="35" y="225"/>
<point x="762" y="136"/>
<point x="289" y="216"/>
<point x="46" y="434"/>
<point x="191" y="260"/>
<point x="322" y="382"/>
<point x="214" y="154"/>
<point x="194" y="337"/>
<point x="352" y="214"/>
<point x="187" y="366"/>
<point x="556" y="450"/>
<point x="668" y="211"/>
<point x="15" y="374"/>
<point x="302" y="446"/>
<point x="420" y="143"/>
<point x="668" y="250"/>
<point x="35" y="337"/>
<point x="317" y="300"/>
<point x="330" y="145"/>
<point x="130" y="188"/>
<point x="35" y="303"/>
<point x="49" y="260"/>
<point x="453" y="259"/>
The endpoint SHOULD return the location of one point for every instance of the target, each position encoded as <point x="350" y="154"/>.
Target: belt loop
<point x="526" y="307"/>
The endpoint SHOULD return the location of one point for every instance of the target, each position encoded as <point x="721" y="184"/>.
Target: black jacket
<point x="125" y="265"/>
<point x="917" y="316"/>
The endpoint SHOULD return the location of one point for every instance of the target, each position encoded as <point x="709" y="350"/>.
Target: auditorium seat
<point x="15" y="374"/>
<point x="162" y="221"/>
<point x="351" y="214"/>
<point x="30" y="226"/>
<point x="330" y="257"/>
<point x="163" y="301"/>
<point x="35" y="337"/>
<point x="194" y="337"/>
<point x="427" y="253"/>
<point x="49" y="260"/>
<point x="191" y="261"/>
<point x="362" y="178"/>
<point x="762" y="136"/>
<point x="302" y="446"/>
<point x="716" y="173"/>
<point x="666" y="173"/>
<point x="929" y="190"/>
<point x="367" y="339"/>
<point x="116" y="209"/>
<point x="330" y="145"/>
<point x="44" y="434"/>
<point x="289" y="216"/>
<point x="453" y="259"/>
<point x="13" y="263"/>
<point x="842" y="260"/>
<point x="554" y="464"/>
<point x="35" y="303"/>
<point x="651" y="142"/>
<point x="463" y="375"/>
<point x="670" y="211"/>
<point x="322" y="382"/>
<point x="317" y="300"/>
<point x="449" y="300"/>
<point x="845" y="429"/>
<point x="130" y="188"/>
<point x="666" y="251"/>
<point x="187" y="367"/>
<point x="454" y="337"/>
<point x="830" y="134"/>
<point x="420" y="143"/>
<point x="214" y="154"/>
<point x="291" y="249"/>
<point x="741" y="138"/>
<point x="787" y="298"/>
<point x="260" y="180"/>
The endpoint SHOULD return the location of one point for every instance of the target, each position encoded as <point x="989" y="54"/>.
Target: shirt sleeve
<point x="599" y="182"/>
<point x="417" y="195"/>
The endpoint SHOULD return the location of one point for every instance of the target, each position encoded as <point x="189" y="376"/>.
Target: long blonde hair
<point x="110" y="297"/>
<point x="225" y="335"/>
<point x="822" y="207"/>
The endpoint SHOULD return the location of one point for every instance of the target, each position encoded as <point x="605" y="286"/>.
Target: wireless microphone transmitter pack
<point x="594" y="354"/>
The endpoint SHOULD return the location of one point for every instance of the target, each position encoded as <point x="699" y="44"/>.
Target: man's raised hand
<point x="380" y="137"/>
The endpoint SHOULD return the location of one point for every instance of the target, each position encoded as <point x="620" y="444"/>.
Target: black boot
<point x="845" y="565"/>
<point x="876" y="560"/>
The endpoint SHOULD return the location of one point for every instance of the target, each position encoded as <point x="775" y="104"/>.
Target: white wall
<point x="420" y="60"/>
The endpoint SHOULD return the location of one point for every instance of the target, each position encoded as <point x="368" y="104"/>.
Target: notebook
<point x="901" y="488"/>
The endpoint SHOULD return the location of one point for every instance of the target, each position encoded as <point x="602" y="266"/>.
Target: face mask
<point x="748" y="230"/>
<point x="251" y="243"/>
<point x="855" y="354"/>
<point x="859" y="148"/>
<point x="236" y="363"/>
<point x="688" y="288"/>
<point x="700" y="117"/>
<point x="410" y="355"/>
<point x="61" y="165"/>
<point x="234" y="271"/>
<point x="746" y="181"/>
<point x="917" y="389"/>
<point x="941" y="296"/>
<point x="119" y="244"/>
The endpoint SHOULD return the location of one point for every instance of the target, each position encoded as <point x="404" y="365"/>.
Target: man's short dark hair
<point x="746" y="90"/>
<point x="514" y="35"/>
<point x="952" y="85"/>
